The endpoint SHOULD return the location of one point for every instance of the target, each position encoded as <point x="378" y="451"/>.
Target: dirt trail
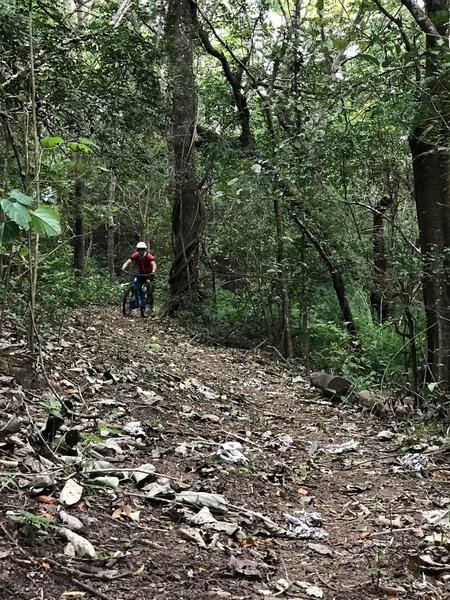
<point x="374" y="541"/>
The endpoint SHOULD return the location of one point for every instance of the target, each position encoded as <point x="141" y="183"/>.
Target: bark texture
<point x="187" y="212"/>
<point x="378" y="297"/>
<point x="431" y="166"/>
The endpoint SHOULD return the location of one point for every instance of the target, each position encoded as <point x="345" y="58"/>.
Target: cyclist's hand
<point x="151" y="276"/>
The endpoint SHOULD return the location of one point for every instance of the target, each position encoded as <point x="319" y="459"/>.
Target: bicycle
<point x="138" y="295"/>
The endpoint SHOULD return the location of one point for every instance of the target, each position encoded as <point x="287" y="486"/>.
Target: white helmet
<point x="141" y="246"/>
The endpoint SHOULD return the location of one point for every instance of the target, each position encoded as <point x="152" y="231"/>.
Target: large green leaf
<point x="51" y="141"/>
<point x="87" y="142"/>
<point x="8" y="232"/>
<point x="17" y="213"/>
<point x="45" y="221"/>
<point x="21" y="198"/>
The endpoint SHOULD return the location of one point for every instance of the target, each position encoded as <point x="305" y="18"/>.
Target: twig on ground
<point x="278" y="353"/>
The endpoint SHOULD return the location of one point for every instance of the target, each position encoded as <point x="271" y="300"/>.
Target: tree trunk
<point x="77" y="220"/>
<point x="378" y="300"/>
<point x="187" y="207"/>
<point x="110" y="227"/>
<point x="431" y="166"/>
<point x="284" y="318"/>
<point x="336" y="276"/>
<point x="431" y="175"/>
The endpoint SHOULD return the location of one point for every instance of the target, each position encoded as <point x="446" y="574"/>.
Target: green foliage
<point x="62" y="288"/>
<point x="29" y="523"/>
<point x="43" y="220"/>
<point x="52" y="407"/>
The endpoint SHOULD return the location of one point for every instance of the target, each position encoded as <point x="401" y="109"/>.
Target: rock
<point x="332" y="386"/>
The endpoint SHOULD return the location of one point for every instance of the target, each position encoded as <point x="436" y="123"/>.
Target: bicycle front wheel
<point x="146" y="309"/>
<point x="128" y="302"/>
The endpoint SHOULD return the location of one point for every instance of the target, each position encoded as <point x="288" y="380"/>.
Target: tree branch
<point x="424" y="22"/>
<point x="397" y="22"/>
<point x="12" y="142"/>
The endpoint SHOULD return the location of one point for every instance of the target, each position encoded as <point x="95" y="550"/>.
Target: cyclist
<point x="145" y="264"/>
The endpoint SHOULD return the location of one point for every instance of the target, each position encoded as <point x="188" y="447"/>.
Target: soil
<point x="191" y="397"/>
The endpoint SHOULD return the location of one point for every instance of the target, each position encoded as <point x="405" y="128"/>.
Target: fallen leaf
<point x="46" y="515"/>
<point x="193" y="536"/>
<point x="321" y="549"/>
<point x="302" y="491"/>
<point x="426" y="563"/>
<point x="46" y="499"/>
<point x="144" y="474"/>
<point x="69" y="521"/>
<point x="248" y="542"/>
<point x="81" y="546"/>
<point x="110" y="482"/>
<point x="311" y="590"/>
<point x="140" y="570"/>
<point x="203" y="517"/>
<point x="71" y="492"/>
<point x="439" y="474"/>
<point x="245" y="567"/>
<point x="126" y="511"/>
<point x="213" y="501"/>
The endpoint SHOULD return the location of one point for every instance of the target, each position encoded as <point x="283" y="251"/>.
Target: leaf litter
<point x="120" y="459"/>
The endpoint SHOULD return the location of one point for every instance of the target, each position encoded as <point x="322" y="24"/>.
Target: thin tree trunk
<point x="110" y="227"/>
<point x="336" y="277"/>
<point x="33" y="238"/>
<point x="187" y="206"/>
<point x="234" y="78"/>
<point x="378" y="298"/>
<point x="77" y="219"/>
<point x="286" y="338"/>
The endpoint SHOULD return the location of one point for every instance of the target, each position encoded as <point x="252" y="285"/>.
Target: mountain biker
<point x="145" y="264"/>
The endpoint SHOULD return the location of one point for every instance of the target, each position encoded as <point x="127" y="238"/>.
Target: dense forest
<point x="287" y="162"/>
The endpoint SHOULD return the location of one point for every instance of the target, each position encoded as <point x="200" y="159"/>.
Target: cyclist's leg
<point x="149" y="285"/>
<point x="139" y="282"/>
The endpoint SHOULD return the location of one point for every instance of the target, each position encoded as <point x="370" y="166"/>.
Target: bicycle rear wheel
<point x="129" y="301"/>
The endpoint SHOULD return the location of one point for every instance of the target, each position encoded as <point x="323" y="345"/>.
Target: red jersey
<point x="143" y="263"/>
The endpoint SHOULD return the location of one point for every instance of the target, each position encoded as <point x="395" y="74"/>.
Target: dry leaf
<point x="248" y="542"/>
<point x="78" y="544"/>
<point x="321" y="549"/>
<point x="71" y="493"/>
<point x="46" y="499"/>
<point x="126" y="511"/>
<point x="311" y="590"/>
<point x="46" y="515"/>
<point x="140" y="570"/>
<point x="193" y="536"/>
<point x="69" y="521"/>
<point x="440" y="474"/>
<point x="245" y="567"/>
<point x="302" y="491"/>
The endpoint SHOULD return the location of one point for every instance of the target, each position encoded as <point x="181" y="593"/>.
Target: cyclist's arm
<point x="126" y="264"/>
<point x="153" y="267"/>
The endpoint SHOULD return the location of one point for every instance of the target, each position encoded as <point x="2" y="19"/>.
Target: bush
<point x="59" y="288"/>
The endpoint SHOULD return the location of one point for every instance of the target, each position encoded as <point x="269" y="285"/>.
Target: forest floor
<point x="155" y="513"/>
